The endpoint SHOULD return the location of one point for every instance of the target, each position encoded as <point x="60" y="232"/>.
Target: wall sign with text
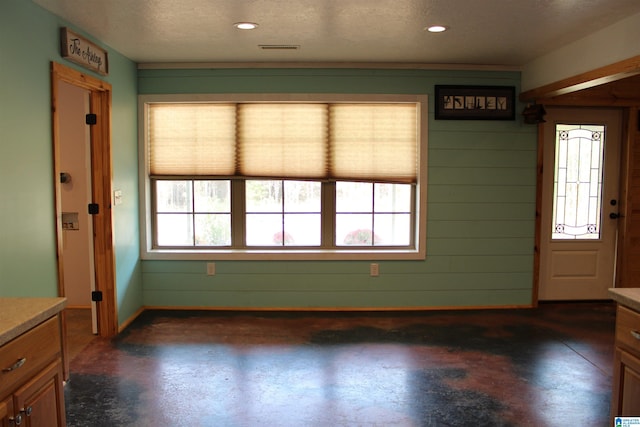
<point x="81" y="51"/>
<point x="475" y="102"/>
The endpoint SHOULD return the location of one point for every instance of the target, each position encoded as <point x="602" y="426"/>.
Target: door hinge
<point x="94" y="209"/>
<point x="91" y="119"/>
<point x="96" y="296"/>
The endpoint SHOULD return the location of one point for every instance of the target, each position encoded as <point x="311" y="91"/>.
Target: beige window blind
<point x="282" y="140"/>
<point x="350" y="141"/>
<point x="374" y="141"/>
<point x="192" y="139"/>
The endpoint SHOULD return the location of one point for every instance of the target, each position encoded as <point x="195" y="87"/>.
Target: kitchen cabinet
<point x="6" y="412"/>
<point x="31" y="378"/>
<point x="625" y="399"/>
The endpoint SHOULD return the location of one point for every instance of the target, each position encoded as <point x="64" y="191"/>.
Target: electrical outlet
<point x="211" y="269"/>
<point x="374" y="269"/>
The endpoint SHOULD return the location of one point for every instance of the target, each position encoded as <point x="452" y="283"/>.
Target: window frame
<point x="418" y="251"/>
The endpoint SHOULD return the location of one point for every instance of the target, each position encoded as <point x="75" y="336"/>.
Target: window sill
<point x="279" y="255"/>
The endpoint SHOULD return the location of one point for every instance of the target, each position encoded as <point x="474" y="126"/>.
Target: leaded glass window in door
<point x="577" y="185"/>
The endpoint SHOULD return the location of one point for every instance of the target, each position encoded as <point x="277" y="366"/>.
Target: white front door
<point x="579" y="203"/>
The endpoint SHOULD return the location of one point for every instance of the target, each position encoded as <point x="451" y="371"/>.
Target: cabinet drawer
<point x="628" y="329"/>
<point x="28" y="353"/>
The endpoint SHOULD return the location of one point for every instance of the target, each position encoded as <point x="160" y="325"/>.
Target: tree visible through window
<point x="283" y="213"/>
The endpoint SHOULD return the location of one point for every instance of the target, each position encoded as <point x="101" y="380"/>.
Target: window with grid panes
<point x="285" y="175"/>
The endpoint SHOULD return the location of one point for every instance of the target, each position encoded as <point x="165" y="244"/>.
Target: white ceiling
<point x="482" y="32"/>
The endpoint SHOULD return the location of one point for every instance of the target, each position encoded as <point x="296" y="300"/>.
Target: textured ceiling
<point x="482" y="32"/>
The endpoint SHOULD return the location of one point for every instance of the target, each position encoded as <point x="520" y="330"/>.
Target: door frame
<point x="101" y="189"/>
<point x="613" y="85"/>
<point x="623" y="207"/>
<point x="572" y="114"/>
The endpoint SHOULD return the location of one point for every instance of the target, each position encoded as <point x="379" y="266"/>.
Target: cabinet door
<point x="40" y="400"/>
<point x="6" y="412"/>
<point x="626" y="390"/>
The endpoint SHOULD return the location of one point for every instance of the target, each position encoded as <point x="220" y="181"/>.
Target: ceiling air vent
<point x="279" y="46"/>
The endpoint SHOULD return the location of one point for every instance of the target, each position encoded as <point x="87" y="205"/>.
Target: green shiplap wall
<point x="29" y="41"/>
<point x="481" y="208"/>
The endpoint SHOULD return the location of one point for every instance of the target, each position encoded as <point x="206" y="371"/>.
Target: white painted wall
<point x="73" y="105"/>
<point x="615" y="43"/>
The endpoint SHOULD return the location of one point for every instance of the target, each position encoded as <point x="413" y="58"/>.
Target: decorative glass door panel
<point x="577" y="198"/>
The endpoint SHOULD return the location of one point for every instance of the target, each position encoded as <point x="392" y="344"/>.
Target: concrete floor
<point x="548" y="366"/>
<point x="79" y="333"/>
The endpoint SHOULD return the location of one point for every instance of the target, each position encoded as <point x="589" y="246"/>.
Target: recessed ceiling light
<point x="436" y="28"/>
<point x="246" y="25"/>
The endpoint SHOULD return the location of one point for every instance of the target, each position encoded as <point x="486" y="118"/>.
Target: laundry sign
<point x="81" y="51"/>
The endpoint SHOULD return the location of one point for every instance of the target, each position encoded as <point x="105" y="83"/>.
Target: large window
<point x="291" y="176"/>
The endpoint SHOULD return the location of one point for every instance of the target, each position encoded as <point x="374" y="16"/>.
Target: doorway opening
<point x="98" y="277"/>
<point x="77" y="226"/>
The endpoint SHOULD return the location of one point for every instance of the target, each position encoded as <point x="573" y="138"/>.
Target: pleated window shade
<point x="282" y="140"/>
<point x="374" y="142"/>
<point x="192" y="139"/>
<point x="368" y="142"/>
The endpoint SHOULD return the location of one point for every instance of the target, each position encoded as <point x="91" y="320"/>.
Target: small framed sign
<point x="81" y="51"/>
<point x="475" y="102"/>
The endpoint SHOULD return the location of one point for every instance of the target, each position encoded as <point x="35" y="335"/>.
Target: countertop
<point x="629" y="297"/>
<point x="18" y="315"/>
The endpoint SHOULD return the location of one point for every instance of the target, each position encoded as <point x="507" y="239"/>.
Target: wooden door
<point x="41" y="400"/>
<point x="6" y="412"/>
<point x="626" y="392"/>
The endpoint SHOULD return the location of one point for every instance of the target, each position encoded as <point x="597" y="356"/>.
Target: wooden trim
<point x="62" y="327"/>
<point x="607" y="74"/>
<point x="101" y="182"/>
<point x="629" y="227"/>
<point x="538" y="222"/>
<point x="324" y="65"/>
<point x="57" y="190"/>
<point x="341" y="309"/>
<point x="104" y="256"/>
<point x="78" y="78"/>
<point x="131" y="319"/>
<point x="55" y="128"/>
<point x="621" y="93"/>
<point x="624" y="198"/>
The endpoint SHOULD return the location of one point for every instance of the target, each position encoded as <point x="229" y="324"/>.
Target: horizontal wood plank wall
<point x="481" y="209"/>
